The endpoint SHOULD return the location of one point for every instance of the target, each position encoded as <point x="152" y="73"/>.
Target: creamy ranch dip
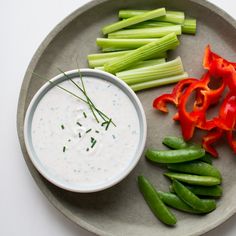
<point x="72" y="146"/>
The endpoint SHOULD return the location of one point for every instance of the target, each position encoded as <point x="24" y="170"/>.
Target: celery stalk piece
<point x="176" y="17"/>
<point x="98" y="60"/>
<point x="189" y="26"/>
<point x="159" y="82"/>
<point x="149" y="24"/>
<point x="142" y="64"/>
<point x="143" y="53"/>
<point x="122" y="43"/>
<point x="134" y="20"/>
<point x="154" y="32"/>
<point x="149" y="73"/>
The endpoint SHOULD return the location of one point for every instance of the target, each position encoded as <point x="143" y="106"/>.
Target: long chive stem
<point x="145" y="52"/>
<point x="158" y="82"/>
<point x="134" y="20"/>
<point x="153" y="32"/>
<point x="171" y="16"/>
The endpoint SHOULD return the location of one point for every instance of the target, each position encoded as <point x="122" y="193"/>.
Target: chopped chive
<point x="94" y="142"/>
<point x="108" y="123"/>
<point x="92" y="139"/>
<point x="64" y="148"/>
<point x="87" y="131"/>
<point x="87" y="149"/>
<point x="85" y="115"/>
<point x="62" y="127"/>
<point x="79" y="135"/>
<point x="105" y="122"/>
<point x="69" y="140"/>
<point x="97" y="131"/>
<point x="113" y="136"/>
<point x="78" y="123"/>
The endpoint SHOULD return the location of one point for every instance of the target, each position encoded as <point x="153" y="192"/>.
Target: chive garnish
<point x="62" y="127"/>
<point x="69" y="140"/>
<point x="87" y="131"/>
<point x="64" y="148"/>
<point x="78" y="123"/>
<point x="92" y="139"/>
<point x="97" y="131"/>
<point x="85" y="115"/>
<point x="87" y="149"/>
<point x="79" y="135"/>
<point x="94" y="142"/>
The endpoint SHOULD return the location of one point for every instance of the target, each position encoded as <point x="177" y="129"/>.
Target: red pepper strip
<point x="211" y="138"/>
<point x="227" y="114"/>
<point x="210" y="56"/>
<point x="189" y="120"/>
<point x="160" y="102"/>
<point x="231" y="141"/>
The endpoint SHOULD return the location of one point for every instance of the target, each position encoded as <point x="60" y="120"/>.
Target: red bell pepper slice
<point x="211" y="138"/>
<point x="231" y="140"/>
<point x="160" y="102"/>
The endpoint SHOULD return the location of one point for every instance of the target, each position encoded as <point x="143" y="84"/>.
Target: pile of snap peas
<point x="192" y="175"/>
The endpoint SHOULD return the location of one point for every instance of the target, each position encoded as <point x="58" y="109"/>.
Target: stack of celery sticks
<point x="135" y="49"/>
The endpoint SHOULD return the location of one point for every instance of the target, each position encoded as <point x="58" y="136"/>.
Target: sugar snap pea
<point x="194" y="179"/>
<point x="196" y="167"/>
<point x="154" y="202"/>
<point x="175" y="156"/>
<point x="174" y="201"/>
<point x="191" y="199"/>
<point x="175" y="142"/>
<point x="209" y="191"/>
<point x="207" y="158"/>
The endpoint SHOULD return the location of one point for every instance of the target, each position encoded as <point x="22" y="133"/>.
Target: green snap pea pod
<point x="191" y="199"/>
<point x="209" y="191"/>
<point x="174" y="201"/>
<point x="175" y="142"/>
<point x="154" y="202"/>
<point x="196" y="167"/>
<point x="194" y="179"/>
<point x="207" y="158"/>
<point x="174" y="156"/>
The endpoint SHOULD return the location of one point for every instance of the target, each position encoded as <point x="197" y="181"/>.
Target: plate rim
<point x="21" y="114"/>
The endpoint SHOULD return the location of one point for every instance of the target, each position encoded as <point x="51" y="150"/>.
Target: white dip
<point x="62" y="136"/>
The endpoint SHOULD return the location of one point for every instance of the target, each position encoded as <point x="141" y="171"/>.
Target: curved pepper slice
<point x="160" y="102"/>
<point x="211" y="138"/>
<point x="231" y="140"/>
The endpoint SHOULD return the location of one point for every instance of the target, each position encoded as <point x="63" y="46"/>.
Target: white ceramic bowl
<point x="97" y="74"/>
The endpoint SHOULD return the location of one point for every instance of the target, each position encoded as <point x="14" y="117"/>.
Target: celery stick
<point x="122" y="43"/>
<point x="145" y="52"/>
<point x="171" y="16"/>
<point x="134" y="20"/>
<point x="189" y="26"/>
<point x="154" y="32"/>
<point x="149" y="73"/>
<point x="149" y="24"/>
<point x="98" y="60"/>
<point x="159" y="82"/>
<point x="142" y="64"/>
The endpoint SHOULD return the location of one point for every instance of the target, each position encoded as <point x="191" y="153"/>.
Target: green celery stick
<point x="94" y="60"/>
<point x="189" y="26"/>
<point x="149" y="24"/>
<point x="158" y="82"/>
<point x="134" y="20"/>
<point x="153" y="32"/>
<point x="171" y="16"/>
<point x="122" y="43"/>
<point x="143" y="53"/>
<point x="149" y="73"/>
<point x="142" y="64"/>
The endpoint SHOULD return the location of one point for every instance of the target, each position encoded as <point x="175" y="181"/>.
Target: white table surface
<point x="24" y="210"/>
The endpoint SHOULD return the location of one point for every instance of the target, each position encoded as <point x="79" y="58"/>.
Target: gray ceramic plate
<point x="121" y="209"/>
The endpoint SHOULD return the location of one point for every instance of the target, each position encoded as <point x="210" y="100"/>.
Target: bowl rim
<point x="96" y="74"/>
